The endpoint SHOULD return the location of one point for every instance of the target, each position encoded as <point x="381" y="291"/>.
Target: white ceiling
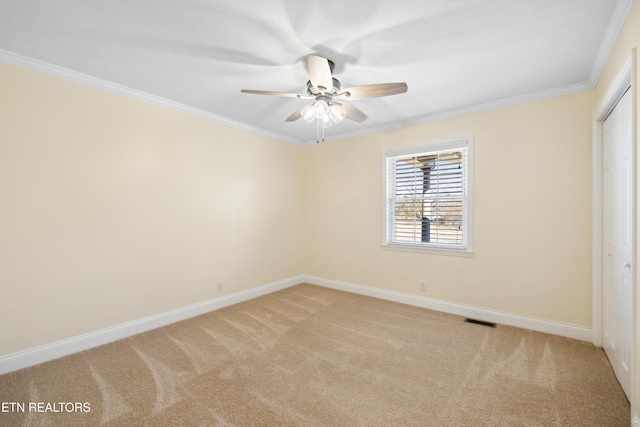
<point x="456" y="56"/>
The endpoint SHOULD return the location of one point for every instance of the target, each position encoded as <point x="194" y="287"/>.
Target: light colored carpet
<point x="311" y="356"/>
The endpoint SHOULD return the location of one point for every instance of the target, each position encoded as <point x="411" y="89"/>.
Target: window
<point x="428" y="197"/>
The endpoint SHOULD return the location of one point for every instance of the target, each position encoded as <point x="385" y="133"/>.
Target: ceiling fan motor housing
<point x="312" y="90"/>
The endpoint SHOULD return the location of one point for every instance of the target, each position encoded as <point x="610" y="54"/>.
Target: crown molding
<point x="618" y="17"/>
<point x="97" y="83"/>
<point x="473" y="109"/>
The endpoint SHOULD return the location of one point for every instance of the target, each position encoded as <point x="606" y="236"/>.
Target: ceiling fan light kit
<point x="323" y="87"/>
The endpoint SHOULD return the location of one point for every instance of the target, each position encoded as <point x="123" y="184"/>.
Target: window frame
<point x="433" y="146"/>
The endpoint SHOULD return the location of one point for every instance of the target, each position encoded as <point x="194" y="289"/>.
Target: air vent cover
<point x="480" y="322"/>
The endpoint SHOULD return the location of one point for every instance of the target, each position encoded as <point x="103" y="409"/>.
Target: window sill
<point x="435" y="251"/>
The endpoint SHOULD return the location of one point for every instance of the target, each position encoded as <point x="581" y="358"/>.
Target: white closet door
<point x="618" y="232"/>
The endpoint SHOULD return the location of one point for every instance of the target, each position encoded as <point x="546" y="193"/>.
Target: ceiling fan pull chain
<point x="319" y="131"/>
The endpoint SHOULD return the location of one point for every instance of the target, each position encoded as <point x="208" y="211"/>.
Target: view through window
<point x="427" y="194"/>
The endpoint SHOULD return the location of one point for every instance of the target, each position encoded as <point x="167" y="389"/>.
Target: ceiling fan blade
<point x="353" y="113"/>
<point x="298" y="113"/>
<point x="269" y="92"/>
<point x="319" y="72"/>
<point x="373" y="91"/>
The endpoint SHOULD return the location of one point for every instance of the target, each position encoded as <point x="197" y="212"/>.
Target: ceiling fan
<point x="325" y="89"/>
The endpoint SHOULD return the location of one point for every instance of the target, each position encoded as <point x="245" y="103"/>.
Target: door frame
<point x="609" y="101"/>
<point x="624" y="80"/>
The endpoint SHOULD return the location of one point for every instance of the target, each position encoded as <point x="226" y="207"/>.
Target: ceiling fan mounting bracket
<point x="332" y="66"/>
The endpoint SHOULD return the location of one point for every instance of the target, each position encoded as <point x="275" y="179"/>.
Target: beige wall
<point x="112" y="209"/>
<point x="532" y="213"/>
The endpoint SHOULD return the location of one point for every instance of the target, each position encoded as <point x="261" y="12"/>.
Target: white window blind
<point x="427" y="198"/>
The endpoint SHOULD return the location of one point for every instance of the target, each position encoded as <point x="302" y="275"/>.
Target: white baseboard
<point x="45" y="353"/>
<point x="554" y="328"/>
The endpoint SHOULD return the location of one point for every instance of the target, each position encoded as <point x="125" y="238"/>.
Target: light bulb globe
<point x="337" y="113"/>
<point x="308" y="113"/>
<point x="321" y="109"/>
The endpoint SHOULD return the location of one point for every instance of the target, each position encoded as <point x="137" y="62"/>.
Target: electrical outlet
<point x="423" y="287"/>
<point x="219" y="286"/>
